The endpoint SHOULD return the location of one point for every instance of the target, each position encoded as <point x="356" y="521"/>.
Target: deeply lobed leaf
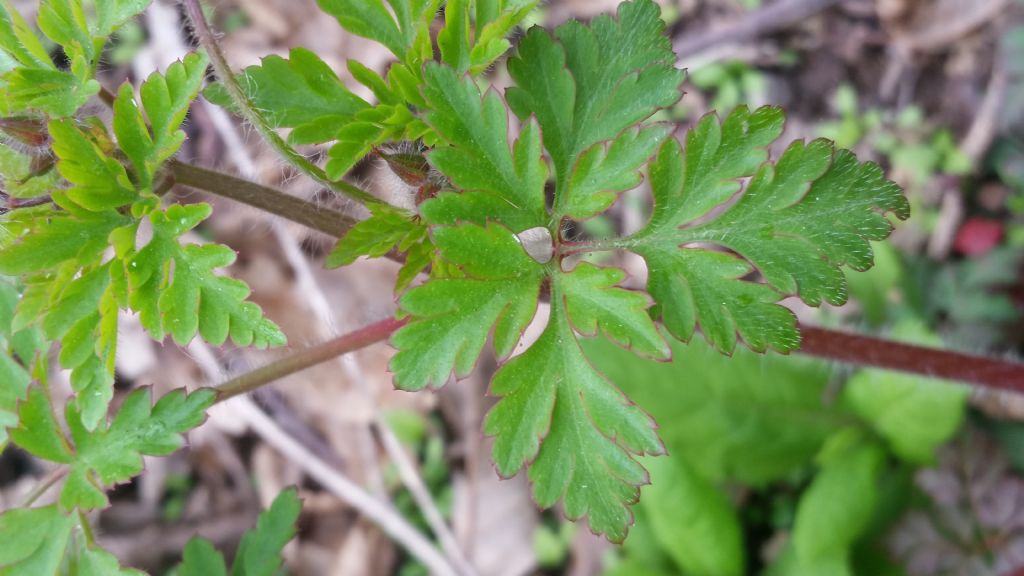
<point x="590" y="431"/>
<point x="453" y="317"/>
<point x="372" y="19"/>
<point x="300" y="92"/>
<point x="588" y="84"/>
<point x="165" y="99"/>
<point x="36" y="84"/>
<point x="477" y="156"/>
<point x="797" y="222"/>
<point x="194" y="299"/>
<point x="112" y="452"/>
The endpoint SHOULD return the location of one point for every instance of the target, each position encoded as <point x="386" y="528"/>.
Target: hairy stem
<point x="321" y="219"/>
<point x="880" y="353"/>
<point x="251" y="115"/>
<point x="308" y="357"/>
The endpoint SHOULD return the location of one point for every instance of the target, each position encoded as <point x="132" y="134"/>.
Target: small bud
<point x="29" y="132"/>
<point x="409" y="165"/>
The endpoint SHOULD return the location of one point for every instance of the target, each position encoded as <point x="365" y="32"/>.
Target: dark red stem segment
<point x="308" y="357"/>
<point x="879" y="353"/>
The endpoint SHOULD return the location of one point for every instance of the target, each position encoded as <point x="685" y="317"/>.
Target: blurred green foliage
<point x="814" y="451"/>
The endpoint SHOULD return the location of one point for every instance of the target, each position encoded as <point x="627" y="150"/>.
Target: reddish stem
<point x="834" y="345"/>
<point x="309" y="357"/>
<point x="879" y="353"/>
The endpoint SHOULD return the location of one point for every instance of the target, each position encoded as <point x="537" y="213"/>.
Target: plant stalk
<point x="276" y="202"/>
<point x="251" y="115"/>
<point x="874" y="352"/>
<point x="309" y="357"/>
<point x="44" y="485"/>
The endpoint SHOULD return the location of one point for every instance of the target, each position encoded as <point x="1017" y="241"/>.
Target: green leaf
<point x="100" y="182"/>
<point x="594" y="81"/>
<point x="300" y="92"/>
<point x="19" y="41"/>
<point x="371" y="19"/>
<point x="21" y="174"/>
<point x="38" y="541"/>
<point x="201" y="559"/>
<point x="385" y="229"/>
<point x="14" y="377"/>
<point x="35" y="540"/>
<point x="798" y="221"/>
<point x="165" y="99"/>
<point x="65" y="22"/>
<point x="591" y="432"/>
<point x="700" y="396"/>
<point x="838" y="505"/>
<point x="92" y="561"/>
<point x="113" y="453"/>
<point x="914" y="414"/>
<point x="494" y="21"/>
<point x="583" y="95"/>
<point x="195" y="299"/>
<point x="259" y="553"/>
<point x="452" y="318"/>
<point x="36" y="84"/>
<point x="52" y="92"/>
<point x="38" y="432"/>
<point x="478" y="159"/>
<point x="692" y="520"/>
<point x="111" y="14"/>
<point x="455" y="39"/>
<point x="70" y="295"/>
<point x="603" y="171"/>
<point x="81" y="32"/>
<point x="593" y="301"/>
<point x="43" y="238"/>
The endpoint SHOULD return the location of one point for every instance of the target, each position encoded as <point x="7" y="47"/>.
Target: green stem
<point x="321" y="219"/>
<point x="251" y="115"/>
<point x="44" y="485"/>
<point x="309" y="357"/>
<point x="83" y="520"/>
<point x="587" y="246"/>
